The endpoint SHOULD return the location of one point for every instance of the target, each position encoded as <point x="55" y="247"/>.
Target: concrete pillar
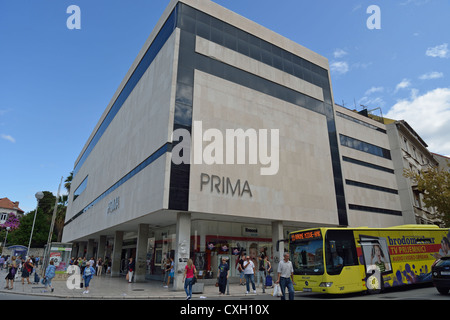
<point x="117" y="252"/>
<point x="81" y="248"/>
<point x="277" y="234"/>
<point x="74" y="253"/>
<point x="101" y="248"/>
<point x="182" y="250"/>
<point x="90" y="249"/>
<point x="141" y="253"/>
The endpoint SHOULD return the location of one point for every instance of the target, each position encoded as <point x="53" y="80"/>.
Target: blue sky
<point x="55" y="83"/>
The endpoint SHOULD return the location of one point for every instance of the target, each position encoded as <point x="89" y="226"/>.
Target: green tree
<point x="435" y="186"/>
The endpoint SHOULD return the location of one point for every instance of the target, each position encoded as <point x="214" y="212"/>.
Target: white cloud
<point x="405" y="83"/>
<point x="440" y="51"/>
<point x="429" y="115"/>
<point x="8" y="138"/>
<point x="339" y="53"/>
<point x="340" y="67"/>
<point x="431" y="75"/>
<point x="374" y="90"/>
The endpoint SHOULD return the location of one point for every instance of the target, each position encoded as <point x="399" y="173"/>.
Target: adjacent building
<point x="6" y="207"/>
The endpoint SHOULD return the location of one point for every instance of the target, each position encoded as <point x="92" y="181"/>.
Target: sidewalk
<point x="106" y="287"/>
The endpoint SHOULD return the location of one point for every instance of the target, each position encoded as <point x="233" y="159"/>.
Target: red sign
<point x="306" y="235"/>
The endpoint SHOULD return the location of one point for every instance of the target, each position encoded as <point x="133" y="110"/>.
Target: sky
<point x="55" y="82"/>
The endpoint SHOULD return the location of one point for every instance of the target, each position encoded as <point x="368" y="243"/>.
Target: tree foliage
<point x="435" y="186"/>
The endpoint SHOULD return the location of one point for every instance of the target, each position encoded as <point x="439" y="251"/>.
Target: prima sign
<point x="224" y="185"/>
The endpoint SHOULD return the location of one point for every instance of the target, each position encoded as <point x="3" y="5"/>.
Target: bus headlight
<point x="326" y="284"/>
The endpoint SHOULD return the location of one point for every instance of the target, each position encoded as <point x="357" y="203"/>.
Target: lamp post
<point x="6" y="237"/>
<point x="39" y="195"/>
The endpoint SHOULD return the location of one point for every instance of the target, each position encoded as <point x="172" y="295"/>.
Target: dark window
<point x="375" y="210"/>
<point x="364" y="147"/>
<point x="78" y="191"/>
<point x="340" y="250"/>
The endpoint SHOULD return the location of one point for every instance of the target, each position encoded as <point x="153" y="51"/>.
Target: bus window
<point x="307" y="257"/>
<point x="340" y="251"/>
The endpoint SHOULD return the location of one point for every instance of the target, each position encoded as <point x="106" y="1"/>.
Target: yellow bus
<point x="344" y="260"/>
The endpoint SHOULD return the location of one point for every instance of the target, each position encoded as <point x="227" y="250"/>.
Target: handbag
<point x="44" y="281"/>
<point x="194" y="280"/>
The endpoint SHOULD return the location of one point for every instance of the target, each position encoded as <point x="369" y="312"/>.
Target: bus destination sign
<point x="306" y="235"/>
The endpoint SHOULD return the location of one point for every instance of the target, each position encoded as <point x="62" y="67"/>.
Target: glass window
<point x="78" y="191"/>
<point x="307" y="257"/>
<point x="340" y="251"/>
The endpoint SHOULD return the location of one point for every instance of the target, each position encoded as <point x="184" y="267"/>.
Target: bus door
<point x="376" y="261"/>
<point x="342" y="260"/>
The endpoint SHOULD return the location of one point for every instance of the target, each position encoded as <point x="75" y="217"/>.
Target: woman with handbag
<point x="189" y="278"/>
<point x="11" y="274"/>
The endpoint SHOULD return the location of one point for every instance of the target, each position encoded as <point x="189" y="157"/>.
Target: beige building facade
<point x="222" y="138"/>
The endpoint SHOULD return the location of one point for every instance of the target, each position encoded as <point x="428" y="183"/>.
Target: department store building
<point x="152" y="181"/>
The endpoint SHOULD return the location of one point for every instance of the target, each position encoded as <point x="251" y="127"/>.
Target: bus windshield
<point x="307" y="257"/>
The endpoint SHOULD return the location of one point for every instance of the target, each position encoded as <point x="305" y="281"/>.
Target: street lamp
<point x="6" y="237"/>
<point x="39" y="195"/>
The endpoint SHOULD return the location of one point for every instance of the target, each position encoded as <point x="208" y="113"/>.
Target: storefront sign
<point x="250" y="231"/>
<point x="113" y="205"/>
<point x="224" y="185"/>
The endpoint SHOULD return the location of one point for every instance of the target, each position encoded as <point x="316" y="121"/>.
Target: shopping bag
<point x="277" y="290"/>
<point x="268" y="281"/>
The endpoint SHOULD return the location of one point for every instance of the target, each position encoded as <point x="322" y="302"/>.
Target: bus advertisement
<point x="344" y="260"/>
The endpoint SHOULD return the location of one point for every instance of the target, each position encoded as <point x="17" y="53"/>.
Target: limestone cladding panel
<point x="255" y="67"/>
<point x="303" y="188"/>
<point x="140" y="127"/>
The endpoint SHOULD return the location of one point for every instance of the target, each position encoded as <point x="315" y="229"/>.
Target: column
<point x="117" y="252"/>
<point x="90" y="249"/>
<point x="81" y="248"/>
<point x="182" y="249"/>
<point x="75" y="247"/>
<point x="101" y="248"/>
<point x="141" y="253"/>
<point x="277" y="234"/>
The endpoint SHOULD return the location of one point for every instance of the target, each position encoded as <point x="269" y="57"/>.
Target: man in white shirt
<point x="285" y="274"/>
<point x="249" y="274"/>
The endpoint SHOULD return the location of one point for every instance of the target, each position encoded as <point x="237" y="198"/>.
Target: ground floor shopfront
<point x="204" y="241"/>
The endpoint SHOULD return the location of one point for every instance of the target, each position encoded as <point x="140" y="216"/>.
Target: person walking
<point x="131" y="267"/>
<point x="249" y="274"/>
<point x="88" y="273"/>
<point x="171" y="270"/>
<point x="27" y="268"/>
<point x="11" y="274"/>
<point x="49" y="275"/>
<point x="188" y="278"/>
<point x="223" y="276"/>
<point x="286" y="277"/>
<point x="240" y="267"/>
<point x="261" y="275"/>
<point x="99" y="266"/>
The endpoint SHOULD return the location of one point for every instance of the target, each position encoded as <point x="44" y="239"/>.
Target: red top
<point x="190" y="272"/>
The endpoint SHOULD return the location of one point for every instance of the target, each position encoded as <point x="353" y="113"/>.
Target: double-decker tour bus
<point x="344" y="260"/>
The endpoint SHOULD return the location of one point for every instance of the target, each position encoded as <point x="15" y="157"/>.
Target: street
<point x="404" y="294"/>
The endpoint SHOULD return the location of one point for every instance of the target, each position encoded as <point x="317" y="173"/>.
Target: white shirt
<point x="249" y="268"/>
<point x="285" y="268"/>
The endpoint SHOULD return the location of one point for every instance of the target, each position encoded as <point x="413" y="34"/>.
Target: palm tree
<point x="68" y="182"/>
